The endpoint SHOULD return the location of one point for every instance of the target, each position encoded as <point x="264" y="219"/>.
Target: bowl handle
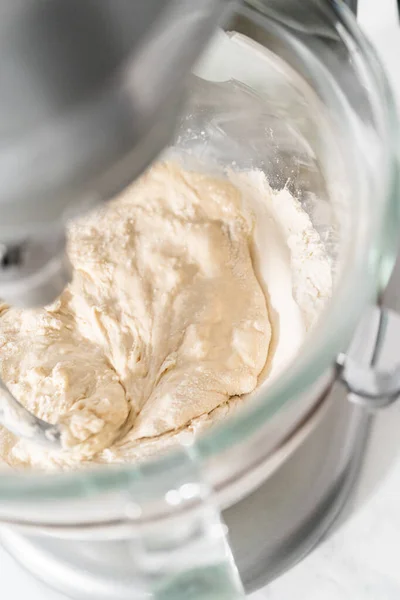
<point x="186" y="556"/>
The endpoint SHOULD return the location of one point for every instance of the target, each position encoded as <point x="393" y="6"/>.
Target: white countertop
<point x="361" y="561"/>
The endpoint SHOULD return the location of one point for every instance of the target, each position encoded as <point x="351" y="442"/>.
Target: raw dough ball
<point x="163" y="323"/>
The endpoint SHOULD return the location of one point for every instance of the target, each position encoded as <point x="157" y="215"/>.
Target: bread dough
<point x="163" y="323"/>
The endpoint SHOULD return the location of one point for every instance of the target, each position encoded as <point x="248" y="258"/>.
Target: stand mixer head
<point x="91" y="92"/>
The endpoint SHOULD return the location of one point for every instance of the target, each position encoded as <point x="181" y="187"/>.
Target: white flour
<point x="292" y="264"/>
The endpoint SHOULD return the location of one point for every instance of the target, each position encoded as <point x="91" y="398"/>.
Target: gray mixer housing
<point x="90" y="93"/>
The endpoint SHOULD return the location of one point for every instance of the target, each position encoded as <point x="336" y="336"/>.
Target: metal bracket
<point x="373" y="382"/>
<point x="352" y="4"/>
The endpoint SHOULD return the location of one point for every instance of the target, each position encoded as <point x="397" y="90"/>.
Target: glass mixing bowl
<point x="299" y="93"/>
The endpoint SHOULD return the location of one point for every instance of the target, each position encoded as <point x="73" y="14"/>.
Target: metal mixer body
<point x="90" y="94"/>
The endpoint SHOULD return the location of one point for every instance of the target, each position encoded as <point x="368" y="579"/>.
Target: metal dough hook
<point x="16" y="418"/>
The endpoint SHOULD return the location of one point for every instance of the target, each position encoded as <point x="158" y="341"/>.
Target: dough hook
<point x="16" y="418"/>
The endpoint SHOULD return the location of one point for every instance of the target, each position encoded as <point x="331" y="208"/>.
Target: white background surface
<point x="362" y="560"/>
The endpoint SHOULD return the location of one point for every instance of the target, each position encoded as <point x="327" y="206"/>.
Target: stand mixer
<point x="93" y="93"/>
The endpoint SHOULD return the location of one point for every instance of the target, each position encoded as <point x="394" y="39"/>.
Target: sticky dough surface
<point x="163" y="323"/>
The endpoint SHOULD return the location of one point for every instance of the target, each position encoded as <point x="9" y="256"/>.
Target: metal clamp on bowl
<point x="377" y="384"/>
